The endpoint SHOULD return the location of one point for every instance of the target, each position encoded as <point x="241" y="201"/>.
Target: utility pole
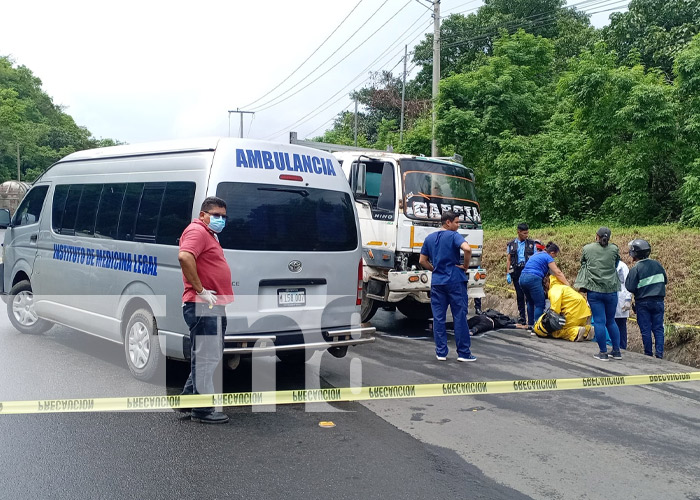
<point x="240" y="111"/>
<point x="436" y="68"/>
<point x="355" y="122"/>
<point x="403" y="91"/>
<point x="18" y="164"/>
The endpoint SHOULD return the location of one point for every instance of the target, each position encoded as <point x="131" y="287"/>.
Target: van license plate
<point x="290" y="297"/>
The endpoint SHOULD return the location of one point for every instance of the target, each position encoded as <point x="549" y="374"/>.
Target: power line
<point x="307" y="59"/>
<point x="388" y="49"/>
<point x="305" y="119"/>
<point x="337" y="63"/>
<point x="488" y="30"/>
<point x="266" y="103"/>
<point x="536" y="20"/>
<point x="453" y="9"/>
<point x="316" y="112"/>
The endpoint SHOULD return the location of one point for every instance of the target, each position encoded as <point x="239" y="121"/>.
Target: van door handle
<point x="33" y="237"/>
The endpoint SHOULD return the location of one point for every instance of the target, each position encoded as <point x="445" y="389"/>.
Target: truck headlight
<point x="475" y="261"/>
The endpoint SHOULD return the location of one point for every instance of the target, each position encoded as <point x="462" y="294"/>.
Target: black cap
<point x="604" y="231"/>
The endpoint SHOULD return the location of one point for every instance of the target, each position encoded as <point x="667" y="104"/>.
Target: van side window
<point x="130" y="207"/>
<point x="149" y="210"/>
<point x="87" y="210"/>
<point x="175" y="212"/>
<point x="108" y="210"/>
<point x="60" y="193"/>
<point x="29" y="210"/>
<point x="70" y="211"/>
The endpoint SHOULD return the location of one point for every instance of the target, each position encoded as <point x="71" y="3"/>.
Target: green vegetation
<point x="561" y="122"/>
<point x="676" y="247"/>
<point x="31" y="121"/>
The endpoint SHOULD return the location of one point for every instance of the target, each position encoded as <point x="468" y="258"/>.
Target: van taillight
<point x="359" y="283"/>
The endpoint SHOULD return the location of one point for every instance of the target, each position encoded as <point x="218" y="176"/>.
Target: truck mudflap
<point x="419" y="281"/>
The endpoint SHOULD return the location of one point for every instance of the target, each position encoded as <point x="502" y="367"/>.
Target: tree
<point x="29" y="119"/>
<point x="653" y="31"/>
<point x="686" y="70"/>
<point x="629" y="118"/>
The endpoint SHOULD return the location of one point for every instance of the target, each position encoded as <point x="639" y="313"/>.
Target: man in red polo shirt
<point x="207" y="279"/>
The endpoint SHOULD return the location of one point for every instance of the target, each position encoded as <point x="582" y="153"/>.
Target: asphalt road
<point x="628" y="442"/>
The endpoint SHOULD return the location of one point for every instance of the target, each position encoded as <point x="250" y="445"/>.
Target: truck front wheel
<point x="413" y="309"/>
<point x="368" y="307"/>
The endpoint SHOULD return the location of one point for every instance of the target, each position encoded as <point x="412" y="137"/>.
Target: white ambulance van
<point x="94" y="246"/>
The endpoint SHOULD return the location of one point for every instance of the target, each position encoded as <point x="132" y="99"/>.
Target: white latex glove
<point x="208" y="295"/>
<point x="627" y="306"/>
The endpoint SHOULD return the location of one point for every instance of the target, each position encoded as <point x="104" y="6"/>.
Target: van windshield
<point x="431" y="187"/>
<point x="278" y="218"/>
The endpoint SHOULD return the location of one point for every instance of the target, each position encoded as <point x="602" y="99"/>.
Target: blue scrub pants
<point x="454" y="295"/>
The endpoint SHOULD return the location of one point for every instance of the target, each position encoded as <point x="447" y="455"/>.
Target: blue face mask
<point x="216" y="223"/>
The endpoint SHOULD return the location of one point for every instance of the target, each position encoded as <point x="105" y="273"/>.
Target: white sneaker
<point x="441" y="358"/>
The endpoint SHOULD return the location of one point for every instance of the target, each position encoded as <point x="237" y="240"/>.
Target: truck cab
<point x="400" y="199"/>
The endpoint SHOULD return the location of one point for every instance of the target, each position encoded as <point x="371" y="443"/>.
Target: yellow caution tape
<point x="334" y="395"/>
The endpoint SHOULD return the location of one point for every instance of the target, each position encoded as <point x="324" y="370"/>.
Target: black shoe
<point x="477" y="311"/>
<point x="660" y="357"/>
<point x="215" y="417"/>
<point x="616" y="355"/>
<point x="601" y="356"/>
<point x="521" y="321"/>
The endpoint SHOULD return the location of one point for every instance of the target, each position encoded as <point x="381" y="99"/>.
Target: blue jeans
<point x="534" y="296"/>
<point x="650" y="317"/>
<point x="207" y="328"/>
<point x="603" y="306"/>
<point x="454" y="295"/>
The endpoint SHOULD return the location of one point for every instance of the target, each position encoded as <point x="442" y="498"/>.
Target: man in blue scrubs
<point x="440" y="254"/>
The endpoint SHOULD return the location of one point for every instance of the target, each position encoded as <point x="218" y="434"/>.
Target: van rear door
<point x="293" y="255"/>
<point x="292" y="239"/>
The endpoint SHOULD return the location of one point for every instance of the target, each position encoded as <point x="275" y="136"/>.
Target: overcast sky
<point x="139" y="71"/>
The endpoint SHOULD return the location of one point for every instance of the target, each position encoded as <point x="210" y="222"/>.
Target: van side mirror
<point x="5" y="220"/>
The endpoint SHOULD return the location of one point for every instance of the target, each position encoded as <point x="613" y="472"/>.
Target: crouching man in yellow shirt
<point x="567" y="302"/>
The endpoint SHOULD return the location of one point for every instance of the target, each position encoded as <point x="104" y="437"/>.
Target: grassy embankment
<point x="678" y="250"/>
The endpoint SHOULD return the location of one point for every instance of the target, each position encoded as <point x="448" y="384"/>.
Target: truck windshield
<point x="431" y="187"/>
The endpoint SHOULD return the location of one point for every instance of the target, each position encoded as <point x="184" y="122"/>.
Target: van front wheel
<point x="141" y="346"/>
<point x="20" y="309"/>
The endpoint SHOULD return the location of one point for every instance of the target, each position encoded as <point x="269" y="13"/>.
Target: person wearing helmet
<point x="647" y="282"/>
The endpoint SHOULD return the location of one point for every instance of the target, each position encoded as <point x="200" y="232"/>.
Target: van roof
<point x="172" y="146"/>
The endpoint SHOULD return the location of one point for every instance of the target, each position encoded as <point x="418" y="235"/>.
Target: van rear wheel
<point x="141" y="346"/>
<point x="20" y="309"/>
